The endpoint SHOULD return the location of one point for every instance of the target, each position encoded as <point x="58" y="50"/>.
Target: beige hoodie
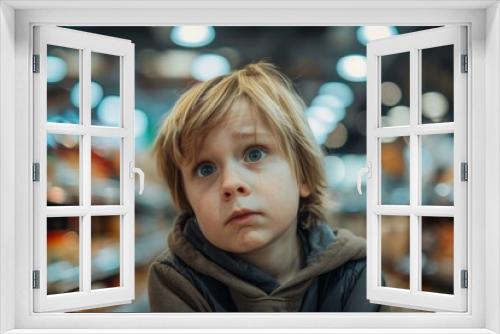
<point x="170" y="291"/>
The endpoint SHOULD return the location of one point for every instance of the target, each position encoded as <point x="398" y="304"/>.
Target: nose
<point x="233" y="184"/>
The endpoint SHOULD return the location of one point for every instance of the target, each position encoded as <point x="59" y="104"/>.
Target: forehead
<point x="242" y="122"/>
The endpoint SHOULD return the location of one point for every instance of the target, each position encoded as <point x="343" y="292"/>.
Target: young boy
<point x="243" y="168"/>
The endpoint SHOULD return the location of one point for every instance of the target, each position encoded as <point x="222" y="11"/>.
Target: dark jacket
<point x="195" y="276"/>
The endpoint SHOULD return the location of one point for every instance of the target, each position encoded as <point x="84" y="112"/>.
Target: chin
<point x="244" y="250"/>
<point x="249" y="246"/>
<point x="238" y="246"/>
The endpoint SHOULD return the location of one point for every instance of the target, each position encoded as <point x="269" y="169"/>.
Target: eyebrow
<point x="253" y="134"/>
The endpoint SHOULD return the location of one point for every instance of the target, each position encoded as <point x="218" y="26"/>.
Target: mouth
<point x="242" y="217"/>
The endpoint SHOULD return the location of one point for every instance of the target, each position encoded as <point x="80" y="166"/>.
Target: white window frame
<point x="16" y="20"/>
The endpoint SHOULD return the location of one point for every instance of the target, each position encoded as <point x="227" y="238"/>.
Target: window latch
<point x="134" y="170"/>
<point x="365" y="170"/>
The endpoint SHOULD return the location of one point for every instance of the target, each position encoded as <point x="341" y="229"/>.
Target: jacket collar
<point x="324" y="250"/>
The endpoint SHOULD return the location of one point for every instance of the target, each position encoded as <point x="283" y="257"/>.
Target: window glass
<point x="437" y="254"/>
<point x="63" y="84"/>
<point x="395" y="171"/>
<point x="105" y="161"/>
<point x="63" y="251"/>
<point x="437" y="84"/>
<point x="63" y="166"/>
<point x="395" y="247"/>
<point x="105" y="252"/>
<point x="105" y="94"/>
<point x="437" y="169"/>
<point x="395" y="89"/>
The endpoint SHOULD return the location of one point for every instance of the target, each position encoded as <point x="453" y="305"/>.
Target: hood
<point x="324" y="249"/>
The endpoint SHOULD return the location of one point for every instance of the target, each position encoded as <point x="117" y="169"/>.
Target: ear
<point x="304" y="190"/>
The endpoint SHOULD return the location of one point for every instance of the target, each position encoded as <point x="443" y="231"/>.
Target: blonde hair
<point x="207" y="104"/>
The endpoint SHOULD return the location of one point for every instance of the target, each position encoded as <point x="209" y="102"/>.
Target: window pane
<point x="105" y="252"/>
<point x="395" y="248"/>
<point x="63" y="84"/>
<point x="63" y="165"/>
<point x="395" y="171"/>
<point x="106" y="170"/>
<point x="437" y="254"/>
<point x="437" y="84"/>
<point x="105" y="90"/>
<point x="395" y="89"/>
<point x="63" y="273"/>
<point x="437" y="169"/>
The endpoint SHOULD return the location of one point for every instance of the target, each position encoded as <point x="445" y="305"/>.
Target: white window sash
<point x="86" y="297"/>
<point x="415" y="297"/>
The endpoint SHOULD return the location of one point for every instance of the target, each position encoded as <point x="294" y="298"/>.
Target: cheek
<point x="207" y="215"/>
<point x="283" y="179"/>
<point x="206" y="209"/>
<point x="281" y="190"/>
<point x="198" y="196"/>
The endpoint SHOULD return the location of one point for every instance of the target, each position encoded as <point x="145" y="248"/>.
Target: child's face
<point x="234" y="172"/>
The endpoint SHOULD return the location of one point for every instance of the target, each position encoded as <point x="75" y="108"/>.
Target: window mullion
<point x="414" y="171"/>
<point x="86" y="170"/>
<point x="127" y="267"/>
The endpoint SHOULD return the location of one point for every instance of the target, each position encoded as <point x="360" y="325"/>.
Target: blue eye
<point x="205" y="169"/>
<point x="256" y="154"/>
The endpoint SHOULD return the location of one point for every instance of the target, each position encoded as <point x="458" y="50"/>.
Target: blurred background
<point x="328" y="68"/>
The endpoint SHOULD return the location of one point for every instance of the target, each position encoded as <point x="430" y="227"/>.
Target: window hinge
<point x="465" y="66"/>
<point x="36" y="171"/>
<point x="36" y="279"/>
<point x="464" y="171"/>
<point x="36" y="63"/>
<point x="465" y="279"/>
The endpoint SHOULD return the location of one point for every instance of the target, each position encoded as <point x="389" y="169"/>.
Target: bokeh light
<point x="398" y="115"/>
<point x="208" y="66"/>
<point x="330" y="106"/>
<point x="443" y="189"/>
<point x="109" y="110"/>
<point x="434" y="105"/>
<point x="96" y="94"/>
<point x="174" y="64"/>
<point x="338" y="137"/>
<point x="66" y="140"/>
<point x="390" y="93"/>
<point x="335" y="170"/>
<point x="339" y="90"/>
<point x="322" y="114"/>
<point x="140" y="123"/>
<point x="319" y="129"/>
<point x="352" y="68"/>
<point x="56" y="69"/>
<point x="192" y="36"/>
<point x="366" y="34"/>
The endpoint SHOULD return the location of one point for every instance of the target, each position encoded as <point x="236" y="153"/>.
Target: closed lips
<point x="240" y="214"/>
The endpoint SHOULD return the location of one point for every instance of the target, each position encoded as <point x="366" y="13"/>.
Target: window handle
<point x="135" y="170"/>
<point x="365" y="170"/>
